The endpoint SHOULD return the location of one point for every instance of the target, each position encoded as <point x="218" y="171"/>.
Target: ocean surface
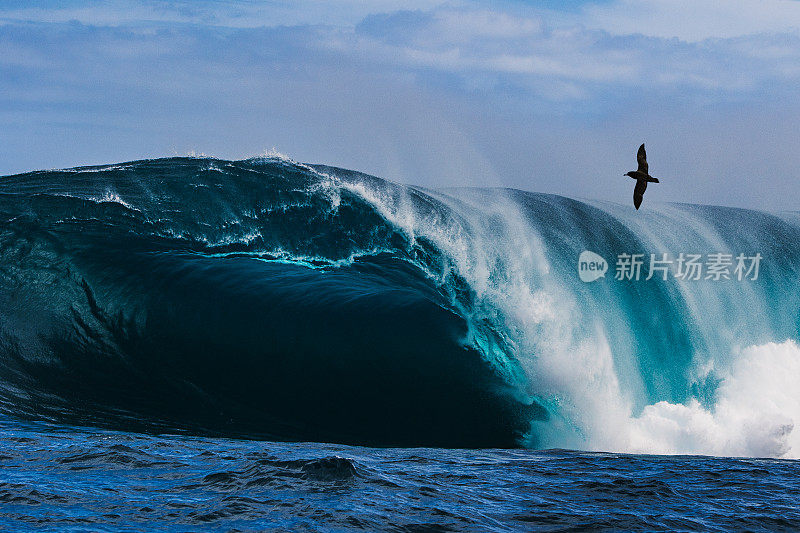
<point x="180" y="337"/>
<point x="77" y="479"/>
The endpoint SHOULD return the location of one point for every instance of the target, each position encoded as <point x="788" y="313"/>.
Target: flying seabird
<point x="641" y="176"/>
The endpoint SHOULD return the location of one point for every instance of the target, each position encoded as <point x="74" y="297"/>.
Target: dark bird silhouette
<point x="641" y="176"/>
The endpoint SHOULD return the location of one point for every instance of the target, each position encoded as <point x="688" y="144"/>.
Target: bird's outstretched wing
<point x="638" y="193"/>
<point x="641" y="157"/>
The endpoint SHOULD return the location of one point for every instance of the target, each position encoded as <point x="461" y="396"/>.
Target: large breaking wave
<point x="279" y="300"/>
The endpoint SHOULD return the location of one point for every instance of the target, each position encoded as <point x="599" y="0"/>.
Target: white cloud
<point x="521" y="48"/>
<point x="690" y="20"/>
<point x="227" y="13"/>
<point x="693" y="20"/>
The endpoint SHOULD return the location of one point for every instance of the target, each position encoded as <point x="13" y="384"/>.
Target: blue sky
<point x="546" y="96"/>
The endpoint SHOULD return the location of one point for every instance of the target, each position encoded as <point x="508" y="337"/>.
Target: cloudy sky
<point x="548" y="96"/>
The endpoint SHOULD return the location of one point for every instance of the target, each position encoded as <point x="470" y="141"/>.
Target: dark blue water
<point x="59" y="478"/>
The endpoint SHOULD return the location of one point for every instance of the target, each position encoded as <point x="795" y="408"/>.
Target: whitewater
<point x="273" y="299"/>
<point x="583" y="352"/>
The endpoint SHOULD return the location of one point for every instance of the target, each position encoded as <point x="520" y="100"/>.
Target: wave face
<point x="279" y="300"/>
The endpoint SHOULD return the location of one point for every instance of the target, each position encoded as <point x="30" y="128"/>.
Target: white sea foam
<point x="757" y="412"/>
<point x="112" y="196"/>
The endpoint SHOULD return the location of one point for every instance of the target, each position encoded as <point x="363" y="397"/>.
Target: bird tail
<point x="652" y="180"/>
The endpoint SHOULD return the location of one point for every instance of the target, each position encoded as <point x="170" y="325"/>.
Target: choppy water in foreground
<point x="60" y="478"/>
